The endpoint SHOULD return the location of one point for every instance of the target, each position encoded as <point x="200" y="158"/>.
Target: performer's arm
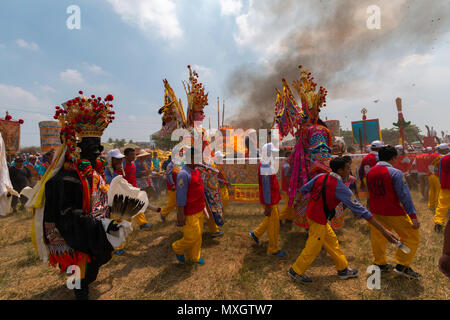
<point x="344" y="194"/>
<point x="183" y="179"/>
<point x="402" y="190"/>
<point x="309" y="186"/>
<point x="169" y="171"/>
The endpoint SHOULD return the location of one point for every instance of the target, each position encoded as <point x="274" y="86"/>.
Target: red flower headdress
<point x="83" y="117"/>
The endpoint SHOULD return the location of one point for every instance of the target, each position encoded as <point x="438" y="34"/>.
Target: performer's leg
<point x="171" y="203"/>
<point x="409" y="236"/>
<point x="287" y="212"/>
<point x="273" y="230"/>
<point x="442" y="209"/>
<point x="433" y="192"/>
<point x="194" y="253"/>
<point x="379" y="242"/>
<point x="261" y="229"/>
<point x="14" y="203"/>
<point x="191" y="237"/>
<point x="142" y="221"/>
<point x="225" y="197"/>
<point x="331" y="244"/>
<point x="212" y="226"/>
<point x="316" y="238"/>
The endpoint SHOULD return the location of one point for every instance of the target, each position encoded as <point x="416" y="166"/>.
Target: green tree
<point x="164" y="143"/>
<point x="110" y="140"/>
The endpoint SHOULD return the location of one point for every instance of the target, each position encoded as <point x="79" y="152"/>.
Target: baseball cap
<point x="399" y="147"/>
<point x="443" y="146"/>
<point x="377" y="144"/>
<point x="115" y="153"/>
<point x="270" y="146"/>
<point x="429" y="149"/>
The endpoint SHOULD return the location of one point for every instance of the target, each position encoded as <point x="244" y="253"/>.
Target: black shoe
<point x="298" y="278"/>
<point x="438" y="227"/>
<point x="347" y="274"/>
<point x="385" y="267"/>
<point x="407" y="272"/>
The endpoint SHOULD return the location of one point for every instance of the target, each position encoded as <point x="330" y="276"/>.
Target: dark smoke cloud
<point x="338" y="49"/>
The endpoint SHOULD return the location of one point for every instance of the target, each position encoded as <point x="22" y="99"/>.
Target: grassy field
<point x="235" y="268"/>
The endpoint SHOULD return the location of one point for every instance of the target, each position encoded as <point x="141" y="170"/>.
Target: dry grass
<point x="235" y="268"/>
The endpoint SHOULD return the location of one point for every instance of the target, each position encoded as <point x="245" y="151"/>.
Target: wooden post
<point x="218" y="113"/>
<point x="223" y="112"/>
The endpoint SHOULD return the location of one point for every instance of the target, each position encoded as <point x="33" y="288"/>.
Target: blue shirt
<point x="109" y="176"/>
<point x="266" y="185"/>
<point x="287" y="169"/>
<point x="343" y="194"/>
<point x="401" y="188"/>
<point x="183" y="180"/>
<point x="169" y="171"/>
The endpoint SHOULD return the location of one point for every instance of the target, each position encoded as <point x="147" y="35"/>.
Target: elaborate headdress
<point x="312" y="101"/>
<point x="197" y="99"/>
<point x="172" y="112"/>
<point x="83" y="117"/>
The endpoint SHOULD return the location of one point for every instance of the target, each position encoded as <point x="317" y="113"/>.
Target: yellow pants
<point x="171" y="203"/>
<point x="287" y="213"/>
<point x="225" y="196"/>
<point x="442" y="207"/>
<point x="272" y="226"/>
<point x="319" y="236"/>
<point x="402" y="225"/>
<point x="191" y="243"/>
<point x="141" y="219"/>
<point x="435" y="188"/>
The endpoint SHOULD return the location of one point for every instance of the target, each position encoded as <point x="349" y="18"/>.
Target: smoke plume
<point x="331" y="39"/>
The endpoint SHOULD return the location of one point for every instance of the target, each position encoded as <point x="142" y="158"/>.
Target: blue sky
<point x="126" y="48"/>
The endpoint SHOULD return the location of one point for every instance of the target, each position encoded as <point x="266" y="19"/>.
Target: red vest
<point x="402" y="164"/>
<point x="130" y="173"/>
<point x="383" y="197"/>
<point x="444" y="172"/>
<point x="174" y="178"/>
<point x="422" y="163"/>
<point x="275" y="196"/>
<point x="369" y="160"/>
<point x="315" y="210"/>
<point x="195" y="201"/>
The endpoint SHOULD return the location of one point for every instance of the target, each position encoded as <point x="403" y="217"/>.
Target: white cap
<point x="399" y="147"/>
<point x="429" y="149"/>
<point x="377" y="144"/>
<point x="218" y="154"/>
<point x="271" y="147"/>
<point x="443" y="146"/>
<point x="115" y="153"/>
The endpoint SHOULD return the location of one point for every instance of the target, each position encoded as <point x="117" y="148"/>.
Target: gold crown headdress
<point x="83" y="117"/>
<point x="197" y="99"/>
<point x="312" y="101"/>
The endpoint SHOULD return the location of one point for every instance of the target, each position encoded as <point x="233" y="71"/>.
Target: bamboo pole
<point x="218" y="113"/>
<point x="223" y="112"/>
